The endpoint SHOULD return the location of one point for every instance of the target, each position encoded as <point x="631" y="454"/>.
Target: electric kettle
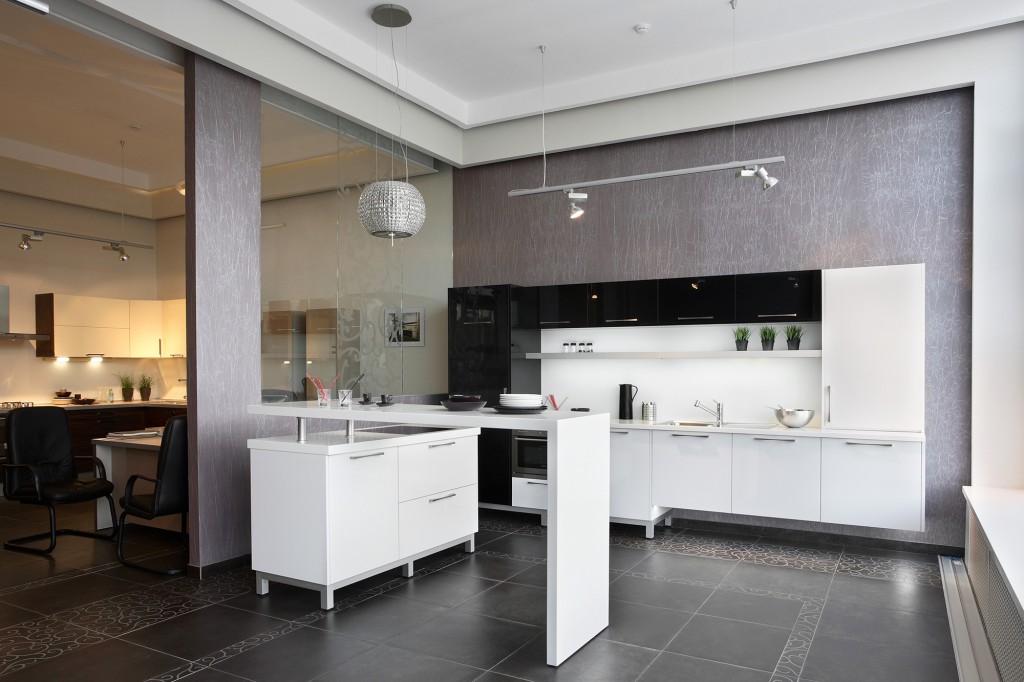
<point x="626" y="394"/>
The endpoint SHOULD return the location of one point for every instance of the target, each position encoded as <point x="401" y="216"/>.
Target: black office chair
<point x="170" y="490"/>
<point x="40" y="469"/>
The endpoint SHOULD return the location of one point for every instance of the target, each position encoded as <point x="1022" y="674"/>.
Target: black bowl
<point x="464" y="398"/>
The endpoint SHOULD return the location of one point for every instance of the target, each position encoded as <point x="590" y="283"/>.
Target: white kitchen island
<point x="578" y="500"/>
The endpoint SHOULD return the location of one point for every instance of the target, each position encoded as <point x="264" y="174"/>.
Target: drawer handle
<point x="696" y="317"/>
<point x="691" y="435"/>
<point x="441" y="445"/>
<point x="529" y="440"/>
<point x="624" y="319"/>
<point x="558" y="322"/>
<point x="881" y="445"/>
<point x="536" y="483"/>
<point x="443" y="497"/>
<point x="778" y="440"/>
<point x="778" y="315"/>
<point x="372" y="454"/>
<point x="622" y="432"/>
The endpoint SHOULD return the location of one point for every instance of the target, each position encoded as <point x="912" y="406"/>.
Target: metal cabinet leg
<point x="649" y="531"/>
<point x="262" y="585"/>
<point x="470" y="545"/>
<point x="326" y="598"/>
<point x="407" y="570"/>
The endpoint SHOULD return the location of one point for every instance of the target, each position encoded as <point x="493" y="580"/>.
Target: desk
<point x="123" y="457"/>
<point x="578" y="494"/>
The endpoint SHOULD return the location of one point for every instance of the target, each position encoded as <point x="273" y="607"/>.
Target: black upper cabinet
<point x="523" y="311"/>
<point x="779" y="297"/>
<point x="562" y="306"/>
<point x="697" y="300"/>
<point x="622" y="304"/>
<point x="478" y="340"/>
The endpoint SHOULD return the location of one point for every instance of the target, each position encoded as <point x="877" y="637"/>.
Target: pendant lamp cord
<point x="398" y="104"/>
<point x="543" y="121"/>
<point x="124" y="235"/>
<point x="733" y="3"/>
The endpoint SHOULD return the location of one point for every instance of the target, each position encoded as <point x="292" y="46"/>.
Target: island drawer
<point x="530" y="493"/>
<point x="434" y="519"/>
<point x="443" y="464"/>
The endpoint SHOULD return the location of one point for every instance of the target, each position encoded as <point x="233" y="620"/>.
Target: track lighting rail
<point x="58" y="233"/>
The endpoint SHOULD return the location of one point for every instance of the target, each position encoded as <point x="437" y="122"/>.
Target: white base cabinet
<point x="630" y="480"/>
<point x="332" y="512"/>
<point x="776" y="476"/>
<point x="692" y="470"/>
<point x="529" y="493"/>
<point x="872" y="483"/>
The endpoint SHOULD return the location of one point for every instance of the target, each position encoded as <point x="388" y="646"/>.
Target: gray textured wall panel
<point x="222" y="260"/>
<point x="877" y="184"/>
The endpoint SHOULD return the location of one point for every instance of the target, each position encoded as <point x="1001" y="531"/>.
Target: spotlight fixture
<point x="769" y="181"/>
<point x="26" y="240"/>
<point x="575" y="199"/>
<point x="122" y="255"/>
<point x="746" y="172"/>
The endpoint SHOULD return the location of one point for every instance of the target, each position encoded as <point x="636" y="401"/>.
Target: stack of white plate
<point x="521" y="400"/>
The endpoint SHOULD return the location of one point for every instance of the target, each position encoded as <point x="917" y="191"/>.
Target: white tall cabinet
<point x="873" y="348"/>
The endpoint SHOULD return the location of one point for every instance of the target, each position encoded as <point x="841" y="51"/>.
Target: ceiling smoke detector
<point x="642" y="29"/>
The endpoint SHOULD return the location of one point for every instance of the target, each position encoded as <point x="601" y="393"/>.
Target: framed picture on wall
<point x="404" y="327"/>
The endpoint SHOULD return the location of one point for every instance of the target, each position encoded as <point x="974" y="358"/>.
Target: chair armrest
<point x="34" y="470"/>
<point x="101" y="470"/>
<point x="129" y="487"/>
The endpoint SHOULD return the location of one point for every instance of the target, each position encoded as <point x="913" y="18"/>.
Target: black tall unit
<point x="490" y="328"/>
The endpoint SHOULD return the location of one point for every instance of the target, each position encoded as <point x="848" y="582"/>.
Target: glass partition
<point x="336" y="301"/>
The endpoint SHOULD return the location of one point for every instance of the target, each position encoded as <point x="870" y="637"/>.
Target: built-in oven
<point x="530" y="454"/>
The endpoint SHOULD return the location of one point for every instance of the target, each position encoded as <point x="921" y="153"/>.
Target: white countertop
<point x="771" y="429"/>
<point x="336" y="442"/>
<point x="148" y="443"/>
<point x="1000" y="511"/>
<point x="104" y="406"/>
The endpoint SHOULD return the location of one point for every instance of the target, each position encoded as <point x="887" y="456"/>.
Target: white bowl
<point x="520" y="395"/>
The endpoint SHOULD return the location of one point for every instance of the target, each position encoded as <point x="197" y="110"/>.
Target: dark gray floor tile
<point x="887" y="594"/>
<point x="296" y="656"/>
<point x="112" y="660"/>
<point x="599" y="660"/>
<point x="749" y="645"/>
<point x="443" y="588"/>
<point x="675" y="566"/>
<point x="379" y="619"/>
<point x="675" y="668"/>
<point x="753" y="608"/>
<point x="492" y="568"/>
<point x="202" y="632"/>
<point x="64" y="594"/>
<point x="521" y="545"/>
<point x="466" y="638"/>
<point x="510" y="601"/>
<point x="641" y="625"/>
<point x="32" y="641"/>
<point x="484" y="536"/>
<point x="660" y="593"/>
<point x="135" y="575"/>
<point x="536" y="576"/>
<point x="780" y="580"/>
<point x="283" y="601"/>
<point x="832" y="659"/>
<point x="213" y="675"/>
<point x="12" y="615"/>
<point x="389" y="664"/>
<point x="495" y="677"/>
<point x="880" y="625"/>
<point x="625" y="558"/>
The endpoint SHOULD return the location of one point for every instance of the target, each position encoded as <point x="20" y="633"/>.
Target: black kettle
<point x="626" y="394"/>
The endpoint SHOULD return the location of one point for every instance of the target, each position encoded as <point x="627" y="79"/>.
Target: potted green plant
<point x="127" y="386"/>
<point x="793" y="334"/>
<point x="742" y="336"/>
<point x="145" y="386"/>
<point x="768" y="337"/>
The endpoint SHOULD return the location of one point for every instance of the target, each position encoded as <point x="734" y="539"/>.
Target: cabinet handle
<point x="536" y="483"/>
<point x="373" y="454"/>
<point x="473" y="323"/>
<point x="828" y="404"/>
<point x="558" y="322"/>
<point x="177" y="355"/>
<point x="624" y="319"/>
<point x="530" y="440"/>
<point x="440" y="445"/>
<point x="160" y="347"/>
<point x="691" y="435"/>
<point x="777" y="315"/>
<point x="94" y="355"/>
<point x="881" y="445"/>
<point x="622" y="432"/>
<point x="443" y="497"/>
<point x="697" y="317"/>
<point x="780" y="440"/>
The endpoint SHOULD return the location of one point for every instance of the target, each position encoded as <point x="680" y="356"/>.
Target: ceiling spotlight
<point x="123" y="257"/>
<point x="575" y="199"/>
<point x="24" y="245"/>
<point x="769" y="181"/>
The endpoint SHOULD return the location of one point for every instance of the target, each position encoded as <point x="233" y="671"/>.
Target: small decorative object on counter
<point x="323" y="395"/>
<point x="127" y="386"/>
<point x="110" y="395"/>
<point x="565" y="347"/>
<point x="590" y="347"/>
<point x="145" y="386"/>
<point x="742" y="336"/>
<point x="572" y="347"/>
<point x="649" y="412"/>
<point x="768" y="337"/>
<point x="793" y="334"/>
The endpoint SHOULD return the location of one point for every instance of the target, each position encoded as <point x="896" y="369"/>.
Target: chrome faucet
<point x="718" y="412"/>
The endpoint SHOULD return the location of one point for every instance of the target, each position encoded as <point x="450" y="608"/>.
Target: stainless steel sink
<point x="751" y="425"/>
<point x="687" y="422"/>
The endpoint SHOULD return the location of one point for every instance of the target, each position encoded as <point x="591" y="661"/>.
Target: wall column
<point x="222" y="263"/>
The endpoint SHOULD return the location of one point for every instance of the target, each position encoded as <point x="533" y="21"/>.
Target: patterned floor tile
<point x="885" y="568"/>
<point x="820" y="560"/>
<point x="125" y="613"/>
<point x="31" y="642"/>
<point x="714" y="548"/>
<point x="215" y="589"/>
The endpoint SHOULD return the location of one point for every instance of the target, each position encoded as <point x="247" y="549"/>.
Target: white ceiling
<point x="476" y="62"/>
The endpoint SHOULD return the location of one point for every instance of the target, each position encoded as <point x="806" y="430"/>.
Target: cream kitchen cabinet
<point x="874" y="483"/>
<point x="80" y="326"/>
<point x="873" y="348"/>
<point x="174" y="341"/>
<point x="776" y="476"/>
<point x="145" y="328"/>
<point x="692" y="470"/>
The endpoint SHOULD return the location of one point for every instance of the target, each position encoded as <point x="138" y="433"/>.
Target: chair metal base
<point x="18" y="544"/>
<point x="134" y="564"/>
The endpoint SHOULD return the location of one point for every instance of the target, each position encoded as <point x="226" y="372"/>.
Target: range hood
<point x="5" y="320"/>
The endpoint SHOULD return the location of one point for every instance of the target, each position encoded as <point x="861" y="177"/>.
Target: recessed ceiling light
<point x="642" y="29"/>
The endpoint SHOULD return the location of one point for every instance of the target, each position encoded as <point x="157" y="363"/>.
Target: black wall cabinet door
<point x="697" y="300"/>
<point x="562" y="306"/>
<point x="478" y="340"/>
<point x="779" y="297"/>
<point x="622" y="304"/>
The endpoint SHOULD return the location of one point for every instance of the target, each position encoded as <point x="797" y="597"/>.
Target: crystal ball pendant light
<point x="391" y="208"/>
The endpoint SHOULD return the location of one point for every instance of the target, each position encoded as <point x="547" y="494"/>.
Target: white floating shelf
<point x="678" y="355"/>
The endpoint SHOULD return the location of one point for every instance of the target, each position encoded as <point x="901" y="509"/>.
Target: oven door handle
<point x="531" y="440"/>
